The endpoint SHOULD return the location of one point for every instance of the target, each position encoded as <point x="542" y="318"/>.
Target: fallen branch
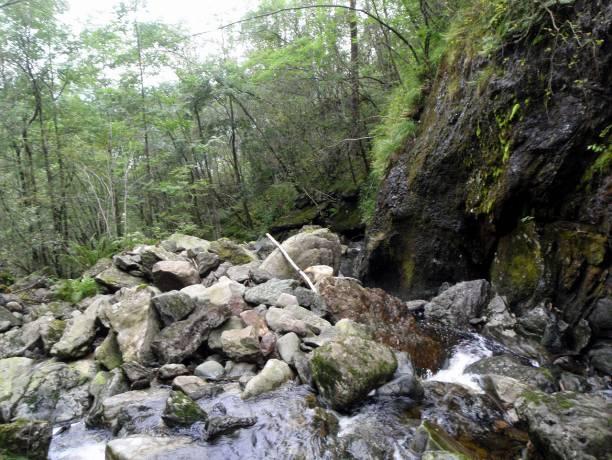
<point x="292" y="263"/>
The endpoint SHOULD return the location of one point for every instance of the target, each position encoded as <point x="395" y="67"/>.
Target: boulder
<point x="256" y="319"/>
<point x="405" y="381"/>
<point x="139" y="376"/>
<point x="149" y="448"/>
<point x="7" y="316"/>
<point x="242" y="273"/>
<point x="177" y="242"/>
<point x="135" y="322"/>
<point x="226" y="424"/>
<point x="231" y="252"/>
<point x="210" y="370"/>
<point x="170" y="371"/>
<point x="114" y="279"/>
<point x="134" y="411"/>
<point x="241" y="344"/>
<point x="346" y="370"/>
<point x="269" y="292"/>
<point x="386" y="316"/>
<point x="104" y="385"/>
<point x="150" y="255"/>
<point x="536" y="377"/>
<point x="25" y="439"/>
<point x="214" y="339"/>
<point x="307" y="248"/>
<point x="288" y="345"/>
<point x="56" y="391"/>
<point x="169" y="275"/>
<point x="317" y="272"/>
<point x="127" y="262"/>
<point x="600" y="318"/>
<point x="313" y="321"/>
<point x="224" y="293"/>
<point x="173" y="306"/>
<point x="280" y="320"/>
<point x="14" y="378"/>
<point x="80" y="332"/>
<point x="273" y="375"/>
<point x="285" y="300"/>
<point x="181" y="410"/>
<point x="456" y="306"/>
<point x="108" y="353"/>
<point x="207" y="262"/>
<point x="195" y="387"/>
<point x="567" y="424"/>
<point x="182" y="339"/>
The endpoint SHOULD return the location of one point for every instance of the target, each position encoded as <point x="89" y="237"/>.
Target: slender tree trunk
<point x="236" y="164"/>
<point x="148" y="212"/>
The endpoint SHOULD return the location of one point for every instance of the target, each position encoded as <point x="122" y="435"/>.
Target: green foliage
<point x="76" y="290"/>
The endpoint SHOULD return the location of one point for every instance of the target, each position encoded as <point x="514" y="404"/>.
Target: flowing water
<point x="290" y="425"/>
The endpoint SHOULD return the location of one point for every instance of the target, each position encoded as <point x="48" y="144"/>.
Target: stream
<point x="291" y="425"/>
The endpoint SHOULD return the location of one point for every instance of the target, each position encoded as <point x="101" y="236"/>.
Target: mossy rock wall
<point x="507" y="178"/>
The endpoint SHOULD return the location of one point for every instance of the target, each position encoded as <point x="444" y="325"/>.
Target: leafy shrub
<point x="76" y="290"/>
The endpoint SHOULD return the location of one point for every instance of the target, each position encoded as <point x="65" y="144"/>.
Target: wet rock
<point x="195" y="387"/>
<point x="600" y="318"/>
<point x="210" y="370"/>
<point x="273" y="375"/>
<point x="465" y="414"/>
<point x="231" y="252"/>
<point x="14" y="378"/>
<point x="149" y="447"/>
<point x="177" y="242"/>
<point x="226" y="424"/>
<point x="169" y="275"/>
<point x="25" y="439"/>
<point x="269" y="292"/>
<point x="170" y="371"/>
<point x="600" y="356"/>
<point x="80" y="332"/>
<point x="135" y="322"/>
<point x="114" y="279"/>
<point x="308" y="248"/>
<point x="134" y="411"/>
<point x="345" y="371"/>
<point x="405" y="381"/>
<point x="567" y="424"/>
<point x="104" y="385"/>
<point x="301" y="362"/>
<point x="458" y="304"/>
<point x="206" y="262"/>
<point x="288" y="345"/>
<point x="182" y="339"/>
<point x="241" y="344"/>
<point x="510" y="367"/>
<point x="214" y="339"/>
<point x="181" y="410"/>
<point x="108" y="353"/>
<point x="173" y="306"/>
<point x="435" y="444"/>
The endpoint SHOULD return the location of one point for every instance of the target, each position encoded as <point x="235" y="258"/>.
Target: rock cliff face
<point x="509" y="177"/>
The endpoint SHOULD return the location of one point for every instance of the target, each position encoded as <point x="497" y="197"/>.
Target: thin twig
<point x="292" y="263"/>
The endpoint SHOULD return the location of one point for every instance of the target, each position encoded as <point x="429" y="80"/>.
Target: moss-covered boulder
<point x="567" y="424"/>
<point x="229" y="251"/>
<point x="114" y="279"/>
<point x="25" y="439"/>
<point x="108" y="353"/>
<point x="77" y="339"/>
<point x="346" y="370"/>
<point x="181" y="410"/>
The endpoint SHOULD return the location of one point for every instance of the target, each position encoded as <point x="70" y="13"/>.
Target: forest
<point x="96" y="152"/>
